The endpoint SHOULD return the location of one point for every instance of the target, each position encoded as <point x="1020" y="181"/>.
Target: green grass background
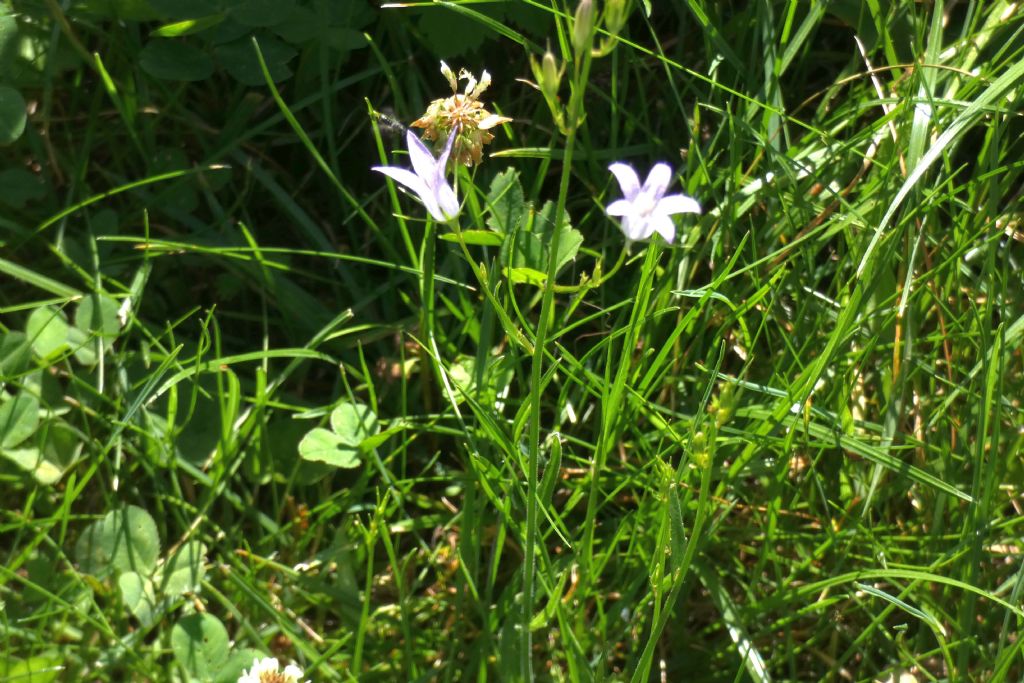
<point x="786" y="448"/>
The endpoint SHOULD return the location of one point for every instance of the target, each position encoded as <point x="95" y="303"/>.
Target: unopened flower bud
<point x="551" y="77"/>
<point x="582" y="26"/>
<point x="615" y="15"/>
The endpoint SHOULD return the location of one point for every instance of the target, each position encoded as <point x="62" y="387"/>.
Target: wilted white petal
<point x="450" y="76"/>
<point x="677" y="203"/>
<point x="629" y="182"/>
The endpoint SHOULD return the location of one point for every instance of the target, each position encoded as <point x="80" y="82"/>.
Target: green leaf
<point x="200" y="644"/>
<point x="506" y="203"/>
<point x="187" y="26"/>
<point x="59" y="449"/>
<point x="261" y="13"/>
<point x="19" y="418"/>
<point x="175" y="60"/>
<point x="239" y="59"/>
<point x="482" y="238"/>
<point x="139" y="596"/>
<point x="323" y="445"/>
<point x="38" y="669"/>
<point x="48" y="330"/>
<point x="527" y="276"/>
<point x="125" y="10"/>
<point x="12" y="115"/>
<point x="97" y="315"/>
<point x="123" y="540"/>
<point x="527" y="250"/>
<point x="15" y="354"/>
<point x="86" y="348"/>
<point x="182" y="9"/>
<point x="571" y="239"/>
<point x="238" y="662"/>
<point x="184" y="570"/>
<point x="354" y="422"/>
<point x="18" y="187"/>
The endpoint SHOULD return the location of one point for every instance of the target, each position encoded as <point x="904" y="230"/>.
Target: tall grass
<point x="785" y="447"/>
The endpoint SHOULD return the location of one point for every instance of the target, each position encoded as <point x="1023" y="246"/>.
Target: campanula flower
<point x="646" y="209"/>
<point x="427" y="177"/>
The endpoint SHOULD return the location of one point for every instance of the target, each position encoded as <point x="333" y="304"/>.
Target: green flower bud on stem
<point x="583" y="26"/>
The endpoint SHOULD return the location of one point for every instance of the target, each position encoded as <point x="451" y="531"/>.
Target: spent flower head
<point x="267" y="670"/>
<point x="427" y="179"/>
<point x="646" y="209"/>
<point x="463" y="112"/>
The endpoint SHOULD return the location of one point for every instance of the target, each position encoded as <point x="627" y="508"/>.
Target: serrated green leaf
<point x="506" y="203"/>
<point x="175" y="60"/>
<point x="570" y="241"/>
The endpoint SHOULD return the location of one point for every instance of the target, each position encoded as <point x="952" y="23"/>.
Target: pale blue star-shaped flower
<point x="646" y="209"/>
<point x="428" y="181"/>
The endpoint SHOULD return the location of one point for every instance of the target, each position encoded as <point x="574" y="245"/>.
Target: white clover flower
<point x="428" y="181"/>
<point x="647" y="210"/>
<point x="267" y="670"/>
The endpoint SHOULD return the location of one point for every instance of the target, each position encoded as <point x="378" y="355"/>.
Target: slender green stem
<point x="611" y="409"/>
<point x="574" y="117"/>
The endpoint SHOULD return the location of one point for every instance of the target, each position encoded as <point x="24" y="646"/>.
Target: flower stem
<point x="574" y="118"/>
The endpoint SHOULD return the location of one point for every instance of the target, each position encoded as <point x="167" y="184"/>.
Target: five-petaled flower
<point x="428" y="180"/>
<point x="646" y="209"/>
<point x="267" y="670"/>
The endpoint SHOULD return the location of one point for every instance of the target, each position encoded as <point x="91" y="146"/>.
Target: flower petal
<point x="422" y="160"/>
<point x="677" y="203"/>
<point x="620" y="207"/>
<point x="417" y="185"/>
<point x="629" y="182"/>
<point x="635" y="228"/>
<point x="405" y="177"/>
<point x="663" y="225"/>
<point x="657" y="181"/>
<point x="447" y="202"/>
<point x="442" y="161"/>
